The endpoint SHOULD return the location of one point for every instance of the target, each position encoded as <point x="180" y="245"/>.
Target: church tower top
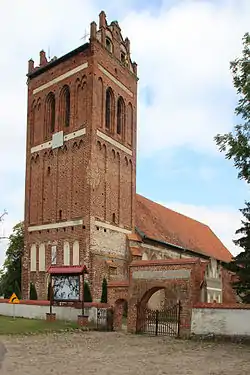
<point x="109" y="35"/>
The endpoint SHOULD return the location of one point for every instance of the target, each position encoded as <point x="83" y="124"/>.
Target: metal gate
<point x="104" y="321"/>
<point x="164" y="322"/>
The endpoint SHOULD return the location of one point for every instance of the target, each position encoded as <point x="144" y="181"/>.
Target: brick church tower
<point x="81" y="160"/>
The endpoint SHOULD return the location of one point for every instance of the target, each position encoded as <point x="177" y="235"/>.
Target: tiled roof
<point x="135" y="251"/>
<point x="70" y="270"/>
<point x="160" y="223"/>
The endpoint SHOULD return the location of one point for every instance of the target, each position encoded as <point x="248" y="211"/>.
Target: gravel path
<point x="120" y="354"/>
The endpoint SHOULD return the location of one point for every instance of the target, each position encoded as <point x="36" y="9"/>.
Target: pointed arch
<point x="42" y="257"/>
<point x="50" y="114"/>
<point x="129" y="124"/>
<point x="65" y="106"/>
<point x="66" y="253"/>
<point x="109" y="108"/>
<point x="120" y="116"/>
<point x="33" y="258"/>
<point x="81" y="101"/>
<point x="76" y="253"/>
<point x="100" y="100"/>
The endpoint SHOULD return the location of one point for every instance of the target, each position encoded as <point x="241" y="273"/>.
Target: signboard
<point x="14" y="299"/>
<point x="66" y="287"/>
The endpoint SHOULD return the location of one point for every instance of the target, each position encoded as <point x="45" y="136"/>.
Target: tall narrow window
<point x="33" y="258"/>
<point x="53" y="254"/>
<point x="65" y="106"/>
<point x="129" y="124"/>
<point x="66" y="253"/>
<point x="42" y="257"/>
<point x="120" y="116"/>
<point x="50" y="114"/>
<point x="108" y="113"/>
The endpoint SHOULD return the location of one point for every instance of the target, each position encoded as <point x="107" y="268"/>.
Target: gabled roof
<point x="162" y="224"/>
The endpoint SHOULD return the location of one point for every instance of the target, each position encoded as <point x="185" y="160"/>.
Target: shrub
<point x="104" y="297"/>
<point x="87" y="293"/>
<point x="33" y="293"/>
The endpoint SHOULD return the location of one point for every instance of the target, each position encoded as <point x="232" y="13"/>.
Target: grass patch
<point x="9" y="326"/>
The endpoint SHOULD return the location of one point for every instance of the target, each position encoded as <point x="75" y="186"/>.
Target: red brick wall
<point x="228" y="293"/>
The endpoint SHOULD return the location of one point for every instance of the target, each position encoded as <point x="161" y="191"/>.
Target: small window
<point x="108" y="44"/>
<point x="60" y="214"/>
<point x="113" y="218"/>
<point x="123" y="58"/>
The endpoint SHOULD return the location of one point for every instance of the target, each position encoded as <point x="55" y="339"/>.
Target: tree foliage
<point x="236" y="144"/>
<point x="104" y="297"/>
<point x="241" y="263"/>
<point x="10" y="279"/>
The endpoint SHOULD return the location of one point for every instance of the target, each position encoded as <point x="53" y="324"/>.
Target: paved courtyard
<point x="120" y="354"/>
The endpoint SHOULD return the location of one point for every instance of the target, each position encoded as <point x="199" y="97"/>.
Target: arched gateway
<point x="178" y="278"/>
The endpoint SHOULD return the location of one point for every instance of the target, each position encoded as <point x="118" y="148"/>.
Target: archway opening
<point x="158" y="311"/>
<point x="120" y="314"/>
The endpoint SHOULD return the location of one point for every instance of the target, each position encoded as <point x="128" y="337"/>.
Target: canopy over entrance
<point x="67" y="270"/>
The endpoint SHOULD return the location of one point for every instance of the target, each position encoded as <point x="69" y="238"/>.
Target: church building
<point x="81" y="205"/>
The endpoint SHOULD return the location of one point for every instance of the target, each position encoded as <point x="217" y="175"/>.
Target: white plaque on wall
<point x="57" y="139"/>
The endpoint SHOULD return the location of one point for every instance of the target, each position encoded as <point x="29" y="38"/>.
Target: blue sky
<point x="185" y="97"/>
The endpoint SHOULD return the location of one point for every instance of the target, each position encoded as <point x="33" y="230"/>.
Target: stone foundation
<point x="51" y="317"/>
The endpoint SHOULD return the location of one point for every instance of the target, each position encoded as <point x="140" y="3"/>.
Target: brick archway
<point x="143" y="310"/>
<point x="178" y="277"/>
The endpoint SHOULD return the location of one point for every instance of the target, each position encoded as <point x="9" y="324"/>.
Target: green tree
<point x="104" y="297"/>
<point x="87" y="293"/>
<point x="10" y="275"/>
<point x="33" y="293"/>
<point x="236" y="144"/>
<point x="241" y="263"/>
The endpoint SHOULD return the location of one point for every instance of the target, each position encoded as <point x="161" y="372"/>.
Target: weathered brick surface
<point x="87" y="178"/>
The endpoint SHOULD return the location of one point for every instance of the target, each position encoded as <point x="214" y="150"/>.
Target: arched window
<point x="129" y="124"/>
<point x="120" y="116"/>
<point x="42" y="257"/>
<point x="66" y="253"/>
<point x="50" y="114"/>
<point x="76" y="255"/>
<point x="33" y="258"/>
<point x="108" y="109"/>
<point x="109" y="44"/>
<point x="65" y="106"/>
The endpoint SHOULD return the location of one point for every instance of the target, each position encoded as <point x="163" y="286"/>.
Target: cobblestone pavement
<point x="120" y="354"/>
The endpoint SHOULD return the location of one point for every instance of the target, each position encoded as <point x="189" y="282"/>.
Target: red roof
<point x="69" y="270"/>
<point x="160" y="223"/>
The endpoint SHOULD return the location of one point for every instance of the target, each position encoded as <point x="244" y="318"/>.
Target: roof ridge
<point x="176" y="212"/>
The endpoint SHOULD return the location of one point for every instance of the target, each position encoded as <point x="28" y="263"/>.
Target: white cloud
<point x="224" y="221"/>
<point x="184" y="55"/>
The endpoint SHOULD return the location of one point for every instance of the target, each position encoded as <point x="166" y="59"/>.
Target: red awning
<point x="69" y="270"/>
